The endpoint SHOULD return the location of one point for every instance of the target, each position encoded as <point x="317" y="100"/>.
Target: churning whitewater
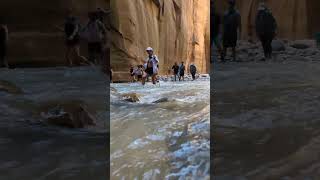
<point x="164" y="135"/>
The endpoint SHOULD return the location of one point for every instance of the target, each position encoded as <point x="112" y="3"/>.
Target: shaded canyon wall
<point x="178" y="30"/>
<point x="297" y="19"/>
<point x="33" y="38"/>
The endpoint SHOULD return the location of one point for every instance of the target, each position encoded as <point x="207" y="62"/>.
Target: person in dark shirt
<point x="182" y="68"/>
<point x="3" y="45"/>
<point x="72" y="34"/>
<point x="175" y="69"/>
<point x="215" y="25"/>
<point x="231" y="25"/>
<point x="265" y="28"/>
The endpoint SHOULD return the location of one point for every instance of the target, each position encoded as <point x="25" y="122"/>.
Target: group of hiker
<point x="265" y="25"/>
<point x="151" y="68"/>
<point x="93" y="33"/>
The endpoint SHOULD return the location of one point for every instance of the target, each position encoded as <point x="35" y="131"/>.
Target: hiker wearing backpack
<point x="3" y="45"/>
<point x="72" y="30"/>
<point x="95" y="33"/>
<point x="151" y="66"/>
<point x="182" y="68"/>
<point x="231" y="25"/>
<point x="266" y="29"/>
<point x="193" y="71"/>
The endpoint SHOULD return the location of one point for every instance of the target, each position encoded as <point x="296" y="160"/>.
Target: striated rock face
<point x="34" y="39"/>
<point x="297" y="19"/>
<point x="178" y="30"/>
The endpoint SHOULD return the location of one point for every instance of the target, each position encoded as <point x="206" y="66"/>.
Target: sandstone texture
<point x="178" y="30"/>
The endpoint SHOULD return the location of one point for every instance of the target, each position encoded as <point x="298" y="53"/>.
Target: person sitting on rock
<point x="265" y="29"/>
<point x="231" y="25"/>
<point x="151" y="66"/>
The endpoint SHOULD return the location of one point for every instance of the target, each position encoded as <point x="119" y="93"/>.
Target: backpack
<point x="265" y="22"/>
<point x="94" y="32"/>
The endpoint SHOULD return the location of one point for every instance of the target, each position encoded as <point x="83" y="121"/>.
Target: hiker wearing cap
<point x="3" y="45"/>
<point x="151" y="66"/>
<point x="265" y="28"/>
<point x="72" y="34"/>
<point x="231" y="25"/>
<point x="193" y="71"/>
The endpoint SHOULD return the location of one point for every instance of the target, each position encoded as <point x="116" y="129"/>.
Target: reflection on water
<point x="164" y="140"/>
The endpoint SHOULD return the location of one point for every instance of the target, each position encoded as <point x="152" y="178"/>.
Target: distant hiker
<point x="111" y="73"/>
<point x="139" y="72"/>
<point x="175" y="69"/>
<point x="193" y="71"/>
<point x="3" y="45"/>
<point x="182" y="68"/>
<point x="215" y="25"/>
<point x="231" y="25"/>
<point x="132" y="74"/>
<point x="95" y="33"/>
<point x="72" y="33"/>
<point x="265" y="28"/>
<point x="151" y="66"/>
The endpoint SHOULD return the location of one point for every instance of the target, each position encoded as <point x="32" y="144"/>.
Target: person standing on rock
<point x="72" y="34"/>
<point x="266" y="29"/>
<point x="231" y="25"/>
<point x="3" y="45"/>
<point x="151" y="66"/>
<point x="193" y="71"/>
<point x="182" y="68"/>
<point x="175" y="69"/>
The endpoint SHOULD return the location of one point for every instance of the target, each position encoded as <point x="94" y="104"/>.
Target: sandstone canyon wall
<point x="297" y="19"/>
<point x="34" y="39"/>
<point x="178" y="30"/>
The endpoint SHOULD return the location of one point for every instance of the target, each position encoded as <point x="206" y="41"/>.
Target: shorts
<point x="95" y="47"/>
<point x="182" y="74"/>
<point x="149" y="71"/>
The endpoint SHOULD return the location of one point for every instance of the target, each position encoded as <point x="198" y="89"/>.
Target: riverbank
<point x="265" y="116"/>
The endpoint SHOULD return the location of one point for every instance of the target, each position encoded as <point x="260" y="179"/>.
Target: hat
<point x="149" y="49"/>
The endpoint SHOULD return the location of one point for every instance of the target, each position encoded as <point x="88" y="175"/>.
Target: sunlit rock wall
<point x="178" y="30"/>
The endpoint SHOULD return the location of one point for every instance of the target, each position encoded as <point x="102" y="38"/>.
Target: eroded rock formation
<point x="178" y="30"/>
<point x="297" y="19"/>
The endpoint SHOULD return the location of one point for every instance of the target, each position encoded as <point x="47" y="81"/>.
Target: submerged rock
<point x="71" y="115"/>
<point x="300" y="46"/>
<point x="162" y="100"/>
<point x="9" y="87"/>
<point x="278" y="45"/>
<point x="131" y="97"/>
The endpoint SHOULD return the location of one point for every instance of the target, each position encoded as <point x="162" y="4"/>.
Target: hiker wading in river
<point x="151" y="67"/>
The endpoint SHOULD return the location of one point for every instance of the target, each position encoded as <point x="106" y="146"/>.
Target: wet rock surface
<point x="265" y="117"/>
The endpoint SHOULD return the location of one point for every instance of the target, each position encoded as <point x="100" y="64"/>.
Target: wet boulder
<point x="300" y="46"/>
<point x="131" y="97"/>
<point x="161" y="100"/>
<point x="278" y="45"/>
<point x="71" y="115"/>
<point x="9" y="87"/>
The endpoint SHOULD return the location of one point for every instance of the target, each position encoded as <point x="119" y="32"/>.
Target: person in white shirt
<point x="151" y="66"/>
